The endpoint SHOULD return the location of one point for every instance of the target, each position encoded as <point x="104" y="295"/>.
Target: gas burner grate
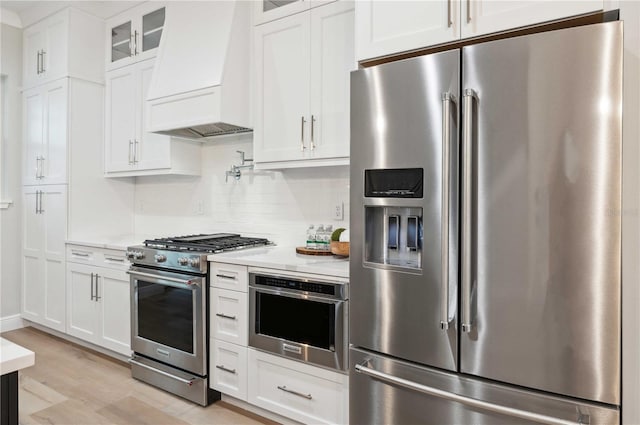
<point x="211" y="243"/>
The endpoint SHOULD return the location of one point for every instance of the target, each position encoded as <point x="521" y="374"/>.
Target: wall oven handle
<point x="467" y="164"/>
<point x="224" y="316"/>
<point x="299" y="394"/>
<point x="184" y="282"/>
<point x="435" y="392"/>
<point x="447" y="99"/>
<point x="189" y="382"/>
<point x="233" y="371"/>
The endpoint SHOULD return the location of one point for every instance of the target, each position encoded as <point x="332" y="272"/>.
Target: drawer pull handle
<point x="286" y="390"/>
<point x="225" y="369"/>
<point x="79" y="254"/>
<point x="224" y="316"/>
<point x="119" y="260"/>
<point x="224" y="276"/>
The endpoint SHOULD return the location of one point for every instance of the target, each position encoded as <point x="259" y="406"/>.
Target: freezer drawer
<point x="385" y="390"/>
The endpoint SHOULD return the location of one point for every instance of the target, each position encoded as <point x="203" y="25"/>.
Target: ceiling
<point x="32" y="11"/>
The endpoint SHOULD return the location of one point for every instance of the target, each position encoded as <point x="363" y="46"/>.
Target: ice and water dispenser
<point x="393" y="228"/>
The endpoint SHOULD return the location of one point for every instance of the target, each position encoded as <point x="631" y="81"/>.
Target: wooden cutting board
<point x="307" y="251"/>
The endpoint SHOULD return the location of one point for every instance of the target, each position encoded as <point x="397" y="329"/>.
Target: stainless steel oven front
<point x="299" y="318"/>
<point x="168" y="318"/>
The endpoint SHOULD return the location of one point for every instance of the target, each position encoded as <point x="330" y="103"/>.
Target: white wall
<point x="630" y="14"/>
<point x="10" y="169"/>
<point x="278" y="205"/>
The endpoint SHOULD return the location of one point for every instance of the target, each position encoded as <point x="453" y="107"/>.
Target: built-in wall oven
<point x="170" y="314"/>
<point x="299" y="318"/>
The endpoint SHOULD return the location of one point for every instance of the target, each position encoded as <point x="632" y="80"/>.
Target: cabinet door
<point x="120" y="119"/>
<point x="53" y="208"/>
<point x="83" y="314"/>
<point x="33" y="289"/>
<point x="55" y="52"/>
<point x="113" y="290"/>
<point x="33" y="41"/>
<point x="332" y="60"/>
<point x="151" y="150"/>
<point x="282" y="87"/>
<point x="33" y="134"/>
<point x="228" y="365"/>
<point x="54" y="152"/>
<point x="387" y="27"/>
<point x="486" y="16"/>
<point x="152" y="27"/>
<point x="121" y="47"/>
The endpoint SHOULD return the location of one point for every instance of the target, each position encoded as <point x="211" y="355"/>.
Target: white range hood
<point x="201" y="80"/>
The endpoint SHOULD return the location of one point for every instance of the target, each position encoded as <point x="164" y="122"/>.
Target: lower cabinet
<point x="228" y="365"/>
<point x="98" y="298"/>
<point x="296" y="390"/>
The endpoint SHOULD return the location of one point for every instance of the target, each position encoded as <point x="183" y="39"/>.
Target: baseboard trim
<point x="10" y="323"/>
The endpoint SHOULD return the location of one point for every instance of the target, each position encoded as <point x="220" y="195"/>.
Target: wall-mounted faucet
<point x="234" y="171"/>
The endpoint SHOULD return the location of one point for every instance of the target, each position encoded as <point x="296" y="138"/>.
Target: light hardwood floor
<point x="72" y="385"/>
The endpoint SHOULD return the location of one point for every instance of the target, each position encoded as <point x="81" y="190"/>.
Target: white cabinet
<point x="131" y="150"/>
<point x="269" y="10"/>
<point x="68" y="43"/>
<point x="45" y="133"/>
<point x="229" y="328"/>
<point x="43" y="245"/>
<point x="302" y="88"/>
<point x="385" y="28"/>
<point x="296" y="390"/>
<point x="98" y="297"/>
<point x="134" y="35"/>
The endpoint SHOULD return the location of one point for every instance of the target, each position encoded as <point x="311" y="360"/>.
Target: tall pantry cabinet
<point x="64" y="193"/>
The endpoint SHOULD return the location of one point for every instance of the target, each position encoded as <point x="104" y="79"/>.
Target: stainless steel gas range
<point x="170" y="311"/>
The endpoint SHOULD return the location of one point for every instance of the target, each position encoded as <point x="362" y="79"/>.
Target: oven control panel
<point x="333" y="290"/>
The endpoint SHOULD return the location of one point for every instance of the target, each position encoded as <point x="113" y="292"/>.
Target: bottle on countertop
<point x="320" y="232"/>
<point x="311" y="237"/>
<point x="328" y="230"/>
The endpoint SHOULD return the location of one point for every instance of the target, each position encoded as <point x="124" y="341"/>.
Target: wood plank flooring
<point x="70" y="385"/>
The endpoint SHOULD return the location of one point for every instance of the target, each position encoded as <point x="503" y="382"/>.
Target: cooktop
<point x="211" y="243"/>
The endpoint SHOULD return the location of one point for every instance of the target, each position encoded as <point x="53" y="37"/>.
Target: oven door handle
<point x="298" y="295"/>
<point x="183" y="283"/>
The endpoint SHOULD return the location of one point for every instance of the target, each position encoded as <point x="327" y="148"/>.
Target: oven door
<point x="168" y="318"/>
<point x="300" y="326"/>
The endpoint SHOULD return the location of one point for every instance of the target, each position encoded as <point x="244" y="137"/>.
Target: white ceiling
<point x="32" y="11"/>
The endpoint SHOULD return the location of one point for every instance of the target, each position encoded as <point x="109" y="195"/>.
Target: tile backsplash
<point x="277" y="204"/>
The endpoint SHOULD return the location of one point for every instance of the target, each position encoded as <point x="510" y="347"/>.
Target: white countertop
<point x="285" y="258"/>
<point x="14" y="357"/>
<point x="119" y="242"/>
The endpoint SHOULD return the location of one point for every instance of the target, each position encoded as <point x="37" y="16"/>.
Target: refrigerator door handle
<point x="447" y="100"/>
<point x="467" y="155"/>
<point x="469" y="401"/>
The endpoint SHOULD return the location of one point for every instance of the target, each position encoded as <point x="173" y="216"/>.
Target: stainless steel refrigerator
<point x="485" y="233"/>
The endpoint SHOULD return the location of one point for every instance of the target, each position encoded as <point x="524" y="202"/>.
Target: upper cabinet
<point x="129" y="149"/>
<point x="134" y="35"/>
<point x="301" y="104"/>
<point x="66" y="44"/>
<point x="385" y="28"/>
<point x="269" y="10"/>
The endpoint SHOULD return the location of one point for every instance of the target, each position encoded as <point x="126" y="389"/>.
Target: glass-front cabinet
<point x="135" y="34"/>
<point x="269" y="10"/>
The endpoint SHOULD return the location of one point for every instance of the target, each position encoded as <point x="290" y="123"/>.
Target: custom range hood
<point x="200" y="85"/>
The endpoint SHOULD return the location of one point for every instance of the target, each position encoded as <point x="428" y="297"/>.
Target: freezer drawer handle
<point x="508" y="411"/>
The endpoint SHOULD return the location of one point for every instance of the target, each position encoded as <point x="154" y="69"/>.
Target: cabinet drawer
<point x="229" y="276"/>
<point x="101" y="257"/>
<point x="298" y="391"/>
<point x="229" y="316"/>
<point x="229" y="369"/>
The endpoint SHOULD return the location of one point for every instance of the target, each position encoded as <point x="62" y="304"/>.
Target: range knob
<point x="130" y="255"/>
<point x="160" y="258"/>
<point x="183" y="261"/>
<point x="194" y="262"/>
<point x="138" y="255"/>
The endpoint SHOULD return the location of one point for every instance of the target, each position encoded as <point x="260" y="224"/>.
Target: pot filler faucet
<point x="234" y="171"/>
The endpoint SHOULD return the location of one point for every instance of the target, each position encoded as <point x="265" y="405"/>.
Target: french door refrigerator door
<point x="541" y="235"/>
<point x="383" y="390"/>
<point x="404" y="149"/>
